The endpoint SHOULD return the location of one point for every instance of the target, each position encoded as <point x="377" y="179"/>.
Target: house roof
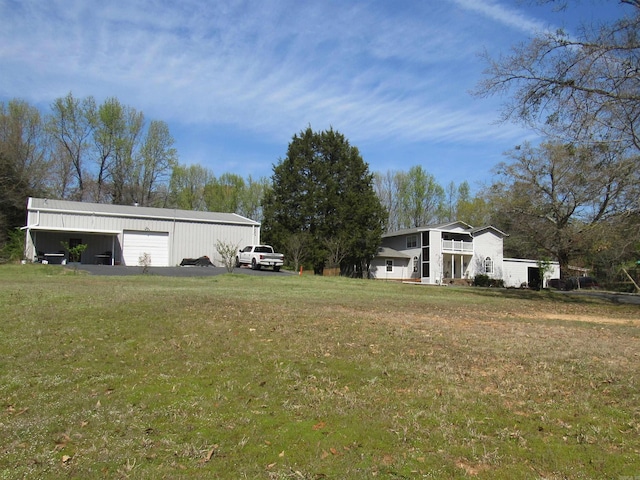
<point x="86" y="208"/>
<point x="390" y="253"/>
<point x="477" y="230"/>
<point x="435" y="226"/>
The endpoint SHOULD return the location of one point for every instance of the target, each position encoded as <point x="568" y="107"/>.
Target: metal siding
<point x="188" y="237"/>
<point x="193" y="240"/>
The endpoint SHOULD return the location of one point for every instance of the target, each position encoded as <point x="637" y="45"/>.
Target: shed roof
<point x="86" y="208"/>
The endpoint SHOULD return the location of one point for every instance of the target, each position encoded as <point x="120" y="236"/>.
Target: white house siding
<point x="403" y="266"/>
<point x="443" y="264"/>
<point x="487" y="244"/>
<point x="400" y="268"/>
<point x="432" y="273"/>
<point x="102" y="227"/>
<point x="516" y="272"/>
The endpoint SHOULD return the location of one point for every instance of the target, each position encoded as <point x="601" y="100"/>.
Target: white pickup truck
<point x="259" y="256"/>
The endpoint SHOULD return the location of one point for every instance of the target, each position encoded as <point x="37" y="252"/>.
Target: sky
<point x="236" y="80"/>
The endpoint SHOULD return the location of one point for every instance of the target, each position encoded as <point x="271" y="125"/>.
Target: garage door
<point x="154" y="244"/>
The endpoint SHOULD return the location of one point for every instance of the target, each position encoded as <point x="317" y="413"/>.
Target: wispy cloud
<point x="504" y="15"/>
<point x="268" y="68"/>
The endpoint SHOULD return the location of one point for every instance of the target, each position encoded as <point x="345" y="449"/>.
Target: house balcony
<point x="457" y="246"/>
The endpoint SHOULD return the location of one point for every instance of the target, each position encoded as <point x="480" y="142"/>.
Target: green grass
<point x="278" y="377"/>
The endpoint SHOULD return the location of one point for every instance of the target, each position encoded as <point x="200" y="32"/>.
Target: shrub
<point x="482" y="280"/>
<point x="13" y="249"/>
<point x="228" y="253"/>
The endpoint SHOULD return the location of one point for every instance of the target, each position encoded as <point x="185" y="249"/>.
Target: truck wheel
<point x="237" y="262"/>
<point x="254" y="265"/>
<point x="276" y="269"/>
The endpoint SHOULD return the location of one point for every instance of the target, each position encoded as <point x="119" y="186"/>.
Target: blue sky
<point x="235" y="80"/>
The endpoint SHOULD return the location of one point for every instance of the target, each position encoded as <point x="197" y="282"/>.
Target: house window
<point x="425" y="269"/>
<point x="488" y="265"/>
<point x="412" y="241"/>
<point x="389" y="265"/>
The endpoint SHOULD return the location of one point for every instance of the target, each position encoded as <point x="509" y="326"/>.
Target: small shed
<point x="123" y="235"/>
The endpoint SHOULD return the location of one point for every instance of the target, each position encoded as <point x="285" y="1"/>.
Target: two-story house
<point x="442" y="253"/>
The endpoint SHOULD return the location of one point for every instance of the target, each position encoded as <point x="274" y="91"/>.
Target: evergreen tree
<point x="324" y="190"/>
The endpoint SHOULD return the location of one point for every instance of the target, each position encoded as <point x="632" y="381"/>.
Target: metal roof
<point x="85" y="208"/>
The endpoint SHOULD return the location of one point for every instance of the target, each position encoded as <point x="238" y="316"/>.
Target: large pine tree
<point x="323" y="192"/>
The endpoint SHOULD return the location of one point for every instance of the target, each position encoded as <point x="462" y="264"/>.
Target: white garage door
<point x="155" y="244"/>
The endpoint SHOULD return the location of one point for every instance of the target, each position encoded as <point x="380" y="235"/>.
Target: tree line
<point x="573" y="198"/>
<point x="105" y="153"/>
<point x="322" y="205"/>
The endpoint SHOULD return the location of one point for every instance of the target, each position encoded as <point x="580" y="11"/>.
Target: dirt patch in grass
<point x="587" y="318"/>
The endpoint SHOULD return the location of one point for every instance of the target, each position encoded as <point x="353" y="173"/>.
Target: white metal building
<point x="120" y="234"/>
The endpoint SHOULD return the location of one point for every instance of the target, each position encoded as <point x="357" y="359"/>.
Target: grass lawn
<point x="276" y="377"/>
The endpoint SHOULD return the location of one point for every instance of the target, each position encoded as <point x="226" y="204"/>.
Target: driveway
<point x="614" y="297"/>
<point x="120" y="270"/>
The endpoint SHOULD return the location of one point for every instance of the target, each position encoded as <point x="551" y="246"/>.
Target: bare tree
<point x="295" y="249"/>
<point x="581" y="89"/>
<point x="71" y="127"/>
<point x="559" y="197"/>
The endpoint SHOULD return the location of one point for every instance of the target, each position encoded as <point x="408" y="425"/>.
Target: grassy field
<point x="268" y="377"/>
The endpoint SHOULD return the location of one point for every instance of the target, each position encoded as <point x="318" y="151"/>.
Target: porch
<point x="455" y="266"/>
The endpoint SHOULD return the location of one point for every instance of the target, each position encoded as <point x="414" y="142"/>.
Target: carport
<point x="46" y="244"/>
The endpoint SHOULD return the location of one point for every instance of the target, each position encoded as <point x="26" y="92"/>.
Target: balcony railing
<point x="457" y="246"/>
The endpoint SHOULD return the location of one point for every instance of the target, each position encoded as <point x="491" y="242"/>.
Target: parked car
<point x="259" y="256"/>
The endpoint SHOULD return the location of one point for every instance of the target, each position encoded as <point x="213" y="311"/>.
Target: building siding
<point x="49" y="225"/>
<point x="516" y="272"/>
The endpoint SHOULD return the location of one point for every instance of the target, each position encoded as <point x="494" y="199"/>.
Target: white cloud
<point x="504" y="15"/>
<point x="267" y="68"/>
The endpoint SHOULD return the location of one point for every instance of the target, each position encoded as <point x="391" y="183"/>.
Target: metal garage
<point x="121" y="234"/>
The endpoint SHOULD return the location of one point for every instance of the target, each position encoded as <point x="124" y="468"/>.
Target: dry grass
<point x="304" y="377"/>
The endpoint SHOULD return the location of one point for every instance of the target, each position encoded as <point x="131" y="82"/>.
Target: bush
<point x="228" y="253"/>
<point x="482" y="280"/>
<point x="13" y="249"/>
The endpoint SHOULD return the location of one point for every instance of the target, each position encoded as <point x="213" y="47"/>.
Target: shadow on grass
<point x="546" y="295"/>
